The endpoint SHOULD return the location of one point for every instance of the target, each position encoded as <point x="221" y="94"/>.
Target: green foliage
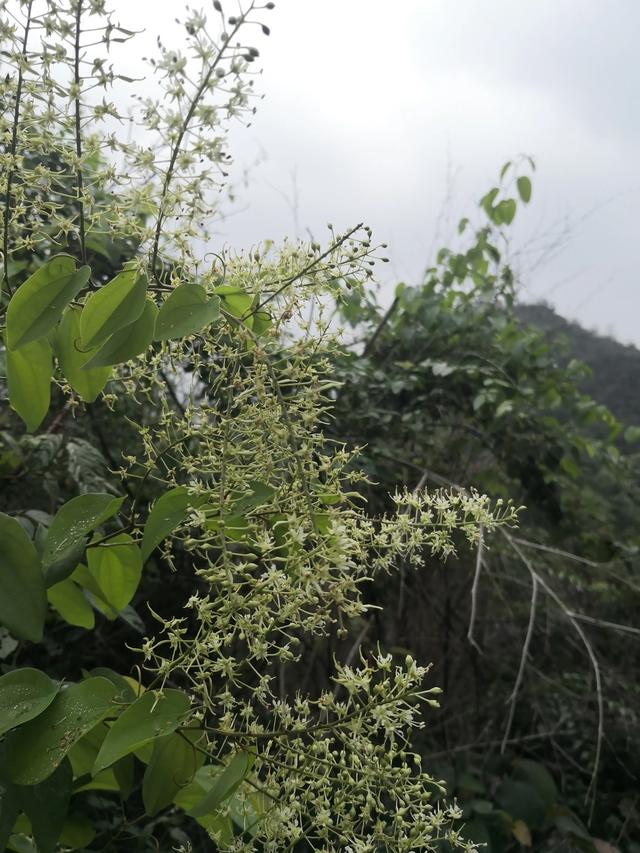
<point x="167" y="513"/>
<point x="24" y="694"/>
<point x="39" y="746"/>
<point x="189" y="406"/>
<point x="29" y="381"/>
<point x="151" y="716"/>
<point x="86" y="382"/>
<point x="128" y="342"/>
<point x="113" y="307"/>
<point x="37" y="306"/>
<point x="23" y="600"/>
<point x="185" y="311"/>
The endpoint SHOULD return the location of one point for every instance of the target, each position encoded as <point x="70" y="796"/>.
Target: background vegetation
<point x="532" y="632"/>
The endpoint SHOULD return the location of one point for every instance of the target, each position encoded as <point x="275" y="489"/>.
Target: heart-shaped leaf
<point x="128" y="342"/>
<point x="38" y="303"/>
<point x="72" y="358"/>
<point x="114" y="306"/>
<point x="187" y="310"/>
<point x="151" y="716"/>
<point x="29" y="381"/>
<point x="39" y="746"/>
<point x="24" y="694"/>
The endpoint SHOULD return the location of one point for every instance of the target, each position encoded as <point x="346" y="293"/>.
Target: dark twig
<point x="12" y="150"/>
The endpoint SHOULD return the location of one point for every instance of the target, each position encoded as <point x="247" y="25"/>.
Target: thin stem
<point x="289" y="281"/>
<point x="369" y="346"/>
<point x="13" y="149"/>
<point x="474" y="591"/>
<point x="525" y="648"/>
<point x="77" y="81"/>
<point x="178" y="143"/>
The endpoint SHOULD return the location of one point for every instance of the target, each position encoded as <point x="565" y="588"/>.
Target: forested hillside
<point x="615" y="368"/>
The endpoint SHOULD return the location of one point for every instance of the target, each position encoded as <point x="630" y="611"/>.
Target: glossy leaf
<point x="39" y="746"/>
<point x="225" y="785"/>
<point x="29" y="381"/>
<point x="23" y="602"/>
<point x="167" y="513"/>
<point x="69" y="601"/>
<point x="114" y="306"/>
<point x="24" y="694"/>
<point x="186" y="310"/>
<point x="128" y="342"/>
<point x="72" y="357"/>
<point x="73" y="522"/>
<point x="173" y="764"/>
<point x="151" y="716"/>
<point x="116" y="567"/>
<point x="38" y="303"/>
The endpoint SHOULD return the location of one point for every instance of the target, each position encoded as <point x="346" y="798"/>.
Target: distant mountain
<point x="615" y="378"/>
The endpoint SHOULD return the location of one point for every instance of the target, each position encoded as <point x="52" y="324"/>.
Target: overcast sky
<point x="401" y="114"/>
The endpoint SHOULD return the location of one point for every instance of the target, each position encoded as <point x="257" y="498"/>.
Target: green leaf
<point x="524" y="189"/>
<point x="505" y="212"/>
<point x="486" y="202"/>
<point x="114" y="306"/>
<point x="77" y="832"/>
<point x="37" y="305"/>
<point x="151" y="716"/>
<point x="125" y="772"/>
<point x="105" y="781"/>
<point x="19" y="843"/>
<point x="117" y="568"/>
<point x="536" y="774"/>
<point x="632" y="434"/>
<point x="29" y="381"/>
<point x="236" y="301"/>
<point x="261" y="322"/>
<point x="60" y="569"/>
<point x="72" y="523"/>
<point x="172" y="767"/>
<point x="258" y="494"/>
<point x="84" y="578"/>
<point x="128" y="342"/>
<point x="522" y="802"/>
<point x="46" y="806"/>
<point x="521" y="833"/>
<point x="24" y="694"/>
<point x="82" y="754"/>
<point x="23" y="602"/>
<point x="186" y="310"/>
<point x="69" y="601"/>
<point x="86" y="382"/>
<point x="9" y="808"/>
<point x="225" y="785"/>
<point x="39" y="746"/>
<point x="128" y="688"/>
<point x="167" y="513"/>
